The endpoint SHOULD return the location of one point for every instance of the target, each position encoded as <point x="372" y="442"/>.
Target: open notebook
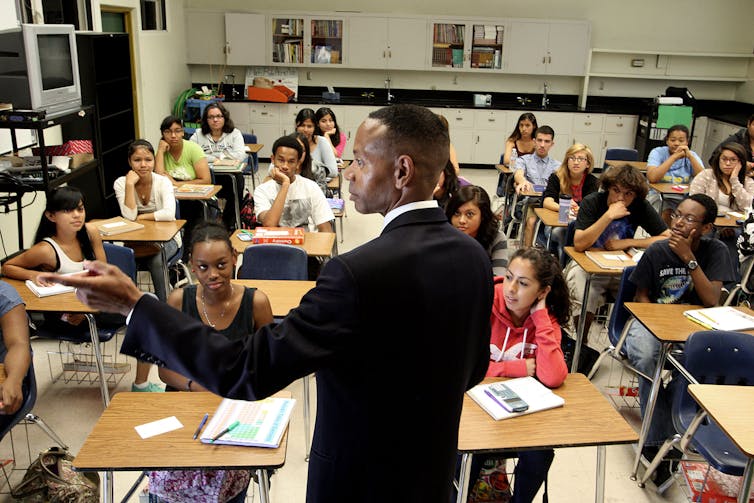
<point x="259" y="424"/>
<point x="534" y="393"/>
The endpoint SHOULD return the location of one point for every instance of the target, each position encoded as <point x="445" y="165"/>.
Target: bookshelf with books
<point x="288" y="40"/>
<point x="326" y="41"/>
<point x="448" y="45"/>
<point x="487" y="46"/>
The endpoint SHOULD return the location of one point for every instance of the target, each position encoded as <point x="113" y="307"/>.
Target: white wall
<point x="701" y="27"/>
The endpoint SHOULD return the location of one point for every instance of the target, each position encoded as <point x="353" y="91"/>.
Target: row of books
<point x="327" y="29"/>
<point x="488" y="34"/>
<point x="486" y="57"/>
<point x="442" y="56"/>
<point x="293" y="27"/>
<point x="289" y="51"/>
<point x="448" y="34"/>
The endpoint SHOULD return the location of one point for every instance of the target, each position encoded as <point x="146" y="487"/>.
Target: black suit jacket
<point x="396" y="330"/>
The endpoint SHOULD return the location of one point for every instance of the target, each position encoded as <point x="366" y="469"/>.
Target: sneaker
<point x="663" y="478"/>
<point x="151" y="388"/>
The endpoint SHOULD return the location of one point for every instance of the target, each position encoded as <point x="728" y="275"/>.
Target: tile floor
<point x="72" y="409"/>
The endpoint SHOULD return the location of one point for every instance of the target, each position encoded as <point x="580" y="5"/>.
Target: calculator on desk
<point x="508" y="398"/>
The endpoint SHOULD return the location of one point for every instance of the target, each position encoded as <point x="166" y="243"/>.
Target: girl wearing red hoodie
<point x="531" y="303"/>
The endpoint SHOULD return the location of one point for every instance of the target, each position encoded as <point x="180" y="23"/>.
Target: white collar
<point x="400" y="210"/>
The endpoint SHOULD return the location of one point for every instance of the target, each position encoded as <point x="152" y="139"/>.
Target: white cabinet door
<point x="246" y="38"/>
<point x="407" y="44"/>
<point x="527" y="47"/>
<point x="266" y="134"/>
<point x="367" y="42"/>
<point x="205" y="37"/>
<point x="489" y="145"/>
<point x="568" y="46"/>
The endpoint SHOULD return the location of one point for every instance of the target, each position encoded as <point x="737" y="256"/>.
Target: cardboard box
<point x="79" y="151"/>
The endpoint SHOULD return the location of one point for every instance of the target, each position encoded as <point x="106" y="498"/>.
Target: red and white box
<point x="80" y="151"/>
<point x="278" y="235"/>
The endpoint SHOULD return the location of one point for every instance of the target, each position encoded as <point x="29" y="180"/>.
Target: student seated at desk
<point x="145" y="195"/>
<point x="521" y="141"/>
<point x="534" y="169"/>
<point x="14" y="349"/>
<point x="745" y="138"/>
<point x="470" y="211"/>
<point x="221" y="140"/>
<point x="183" y="162"/>
<point x="320" y="147"/>
<point x="288" y="200"/>
<point x="327" y="126"/>
<point x="609" y="220"/>
<point x="530" y="305"/>
<point x="673" y="163"/>
<point x="687" y="268"/>
<point x="727" y="184"/>
<point x="233" y="311"/>
<point x="573" y="178"/>
<point x="63" y="242"/>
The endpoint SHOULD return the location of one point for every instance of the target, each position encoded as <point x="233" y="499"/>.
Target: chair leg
<point x="133" y="488"/>
<point x="666" y="446"/>
<point x="33" y="418"/>
<point x="597" y="364"/>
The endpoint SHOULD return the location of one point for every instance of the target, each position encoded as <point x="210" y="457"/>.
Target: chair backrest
<point x="620" y="314"/>
<point x="123" y="257"/>
<point x="273" y="261"/>
<point x="253" y="164"/>
<point x="721" y="358"/>
<point x="620" y="154"/>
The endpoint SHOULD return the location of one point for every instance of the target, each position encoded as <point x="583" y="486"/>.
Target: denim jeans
<point x="643" y="350"/>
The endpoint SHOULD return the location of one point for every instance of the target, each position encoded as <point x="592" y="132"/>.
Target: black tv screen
<point x="55" y="61"/>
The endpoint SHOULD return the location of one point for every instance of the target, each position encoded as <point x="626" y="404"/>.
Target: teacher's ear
<point x="405" y="171"/>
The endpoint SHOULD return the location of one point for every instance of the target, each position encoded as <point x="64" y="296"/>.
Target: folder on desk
<point x="117" y="225"/>
<point x="260" y="423"/>
<point x="534" y="393"/>
<point x="721" y="318"/>
<point x="227" y="165"/>
<point x="615" y="260"/>
<point x="194" y="189"/>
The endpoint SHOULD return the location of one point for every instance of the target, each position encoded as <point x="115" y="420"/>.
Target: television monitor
<point x="39" y="68"/>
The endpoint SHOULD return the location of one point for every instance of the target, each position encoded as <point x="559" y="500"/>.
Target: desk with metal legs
<point x="586" y="419"/>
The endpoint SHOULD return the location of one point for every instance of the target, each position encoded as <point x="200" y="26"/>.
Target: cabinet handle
<point x="620" y="124"/>
<point x="587" y="123"/>
<point x="544" y="59"/>
<point x="389" y="54"/>
<point x="549" y="59"/>
<point x="263" y="113"/>
<point x="477" y="140"/>
<point x="384" y="54"/>
<point x="459" y="118"/>
<point x="490" y="120"/>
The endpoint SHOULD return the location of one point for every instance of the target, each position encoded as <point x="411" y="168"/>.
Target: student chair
<point x="620" y="154"/>
<point x="176" y="265"/>
<point x="619" y="324"/>
<point x="710" y="357"/>
<point x="25" y="416"/>
<point x="252" y="163"/>
<point x="80" y="366"/>
<point x="742" y="293"/>
<point x="273" y="261"/>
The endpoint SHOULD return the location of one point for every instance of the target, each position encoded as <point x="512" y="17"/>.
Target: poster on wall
<point x="270" y="83"/>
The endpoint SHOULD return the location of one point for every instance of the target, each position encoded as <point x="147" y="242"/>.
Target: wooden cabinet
<point x="548" y="48"/>
<point x="392" y="43"/>
<point x="600" y="132"/>
<point x="205" y="37"/>
<point x="245" y="38"/>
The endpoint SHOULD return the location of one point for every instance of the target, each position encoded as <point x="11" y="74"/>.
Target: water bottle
<point x="564" y="209"/>
<point x="514" y="156"/>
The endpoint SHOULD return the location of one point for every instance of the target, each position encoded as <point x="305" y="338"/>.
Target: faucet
<point x="522" y="100"/>
<point x="545" y="99"/>
<point x="390" y="96"/>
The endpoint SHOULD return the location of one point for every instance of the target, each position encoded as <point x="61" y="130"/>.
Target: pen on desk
<point x="226" y="430"/>
<point x="487" y="392"/>
<point x="201" y="425"/>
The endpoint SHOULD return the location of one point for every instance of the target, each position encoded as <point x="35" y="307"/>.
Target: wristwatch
<point x="693" y="264"/>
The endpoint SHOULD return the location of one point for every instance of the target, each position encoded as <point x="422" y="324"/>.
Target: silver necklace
<point x="222" y="313"/>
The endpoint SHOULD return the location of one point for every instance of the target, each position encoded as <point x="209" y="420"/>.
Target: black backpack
<point x="248" y="217"/>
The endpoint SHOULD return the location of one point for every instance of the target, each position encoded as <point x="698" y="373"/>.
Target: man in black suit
<point x="396" y="330"/>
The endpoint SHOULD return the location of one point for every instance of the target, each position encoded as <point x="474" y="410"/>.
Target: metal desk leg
<point x="264" y="485"/>
<point x="650" y="408"/>
<point x="236" y="200"/>
<point x="463" y="477"/>
<point x="599" y="491"/>
<point x="165" y="272"/>
<point x="98" y="357"/>
<point x="582" y="324"/>
<point x="745" y="493"/>
<point x="108" y="487"/>
<point x="307" y="425"/>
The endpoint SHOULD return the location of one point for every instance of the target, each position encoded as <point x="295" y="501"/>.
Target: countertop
<point x="727" y="111"/>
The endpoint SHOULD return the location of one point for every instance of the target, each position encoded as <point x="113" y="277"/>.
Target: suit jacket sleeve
<point x="320" y="330"/>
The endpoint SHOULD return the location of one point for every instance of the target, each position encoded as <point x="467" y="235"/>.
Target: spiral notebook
<point x="260" y="423"/>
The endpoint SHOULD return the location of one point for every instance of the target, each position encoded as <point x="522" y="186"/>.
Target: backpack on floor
<point x="248" y="217"/>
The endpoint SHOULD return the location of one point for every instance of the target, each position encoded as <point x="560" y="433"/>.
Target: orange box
<point x="278" y="235"/>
